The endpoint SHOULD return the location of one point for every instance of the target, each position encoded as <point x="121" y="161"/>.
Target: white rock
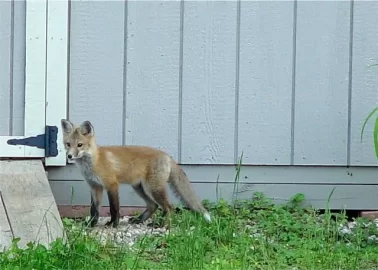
<point x="345" y="231"/>
<point x="373" y="238"/>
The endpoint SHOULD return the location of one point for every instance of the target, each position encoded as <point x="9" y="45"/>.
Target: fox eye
<point x="68" y="144"/>
<point x="79" y="145"/>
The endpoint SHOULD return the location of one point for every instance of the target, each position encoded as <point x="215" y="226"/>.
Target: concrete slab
<point x="28" y="203"/>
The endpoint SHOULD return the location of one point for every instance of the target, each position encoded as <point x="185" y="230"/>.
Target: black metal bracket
<point x="45" y="141"/>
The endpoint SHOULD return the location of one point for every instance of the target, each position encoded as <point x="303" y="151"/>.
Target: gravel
<point x="125" y="234"/>
<point x="348" y="228"/>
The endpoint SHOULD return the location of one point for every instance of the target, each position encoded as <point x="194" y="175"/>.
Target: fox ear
<point x="87" y="129"/>
<point x="67" y="126"/>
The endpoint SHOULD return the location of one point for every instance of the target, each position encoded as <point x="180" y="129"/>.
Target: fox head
<point x="78" y="141"/>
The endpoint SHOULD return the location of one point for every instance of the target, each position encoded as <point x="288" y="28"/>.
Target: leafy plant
<point x="375" y="130"/>
<point x="249" y="234"/>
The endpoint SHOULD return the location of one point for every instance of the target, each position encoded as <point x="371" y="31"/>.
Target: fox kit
<point x="146" y="169"/>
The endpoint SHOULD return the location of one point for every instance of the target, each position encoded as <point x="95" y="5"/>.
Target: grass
<point x="252" y="234"/>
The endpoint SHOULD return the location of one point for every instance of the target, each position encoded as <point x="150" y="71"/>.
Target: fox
<point x="145" y="168"/>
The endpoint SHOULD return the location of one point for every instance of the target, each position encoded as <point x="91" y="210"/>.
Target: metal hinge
<point x="45" y="141"/>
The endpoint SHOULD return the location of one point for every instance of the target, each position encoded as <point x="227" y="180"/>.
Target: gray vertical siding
<point x="18" y="82"/>
<point x="209" y="80"/>
<point x="321" y="83"/>
<point x="364" y="80"/>
<point x="265" y="83"/>
<point x="281" y="82"/>
<point x="152" y="75"/>
<point x="12" y="61"/>
<point x="208" y="88"/>
<point x="96" y="67"/>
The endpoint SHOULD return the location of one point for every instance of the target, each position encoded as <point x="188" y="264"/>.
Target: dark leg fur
<point x="94" y="214"/>
<point x="96" y="194"/>
<point x="114" y="208"/>
<point x="151" y="206"/>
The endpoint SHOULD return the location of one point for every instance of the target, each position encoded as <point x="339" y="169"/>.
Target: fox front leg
<point x="96" y="195"/>
<point x="114" y="207"/>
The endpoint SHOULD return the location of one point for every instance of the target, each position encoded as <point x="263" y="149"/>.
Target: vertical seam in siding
<point x="237" y="81"/>
<point x="293" y="82"/>
<point x="124" y="93"/>
<point x="181" y="59"/>
<point x="11" y="64"/>
<point x="46" y="48"/>
<point x="68" y="58"/>
<point x="350" y="80"/>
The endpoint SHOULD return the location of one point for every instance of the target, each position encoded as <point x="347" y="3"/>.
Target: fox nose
<point x="69" y="156"/>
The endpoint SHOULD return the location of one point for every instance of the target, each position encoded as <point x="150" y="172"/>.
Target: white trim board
<point x="57" y="72"/>
<point x="35" y="73"/>
<point x="13" y="151"/>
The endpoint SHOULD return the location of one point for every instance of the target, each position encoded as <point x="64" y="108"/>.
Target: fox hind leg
<point x="151" y="205"/>
<point x="161" y="198"/>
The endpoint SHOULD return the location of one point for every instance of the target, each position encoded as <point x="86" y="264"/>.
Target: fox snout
<point x="71" y="157"/>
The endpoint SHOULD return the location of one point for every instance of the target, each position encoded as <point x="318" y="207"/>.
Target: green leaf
<point x="367" y="118"/>
<point x="375" y="134"/>
<point x="372" y="65"/>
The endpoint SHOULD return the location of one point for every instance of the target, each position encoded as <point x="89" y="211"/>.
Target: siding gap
<point x="237" y="82"/>
<point x="46" y="40"/>
<point x="68" y="59"/>
<point x="293" y="82"/>
<point x="350" y="81"/>
<point x="11" y="90"/>
<point x="124" y="90"/>
<point x="181" y="60"/>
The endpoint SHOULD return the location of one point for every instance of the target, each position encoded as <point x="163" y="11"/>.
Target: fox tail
<point x="183" y="189"/>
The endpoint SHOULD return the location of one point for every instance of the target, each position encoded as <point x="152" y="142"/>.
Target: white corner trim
<point x="35" y="73"/>
<point x="57" y="72"/>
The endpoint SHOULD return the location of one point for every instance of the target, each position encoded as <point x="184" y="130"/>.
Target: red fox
<point x="146" y="169"/>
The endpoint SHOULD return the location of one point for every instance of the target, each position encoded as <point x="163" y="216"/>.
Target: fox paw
<point x="112" y="223"/>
